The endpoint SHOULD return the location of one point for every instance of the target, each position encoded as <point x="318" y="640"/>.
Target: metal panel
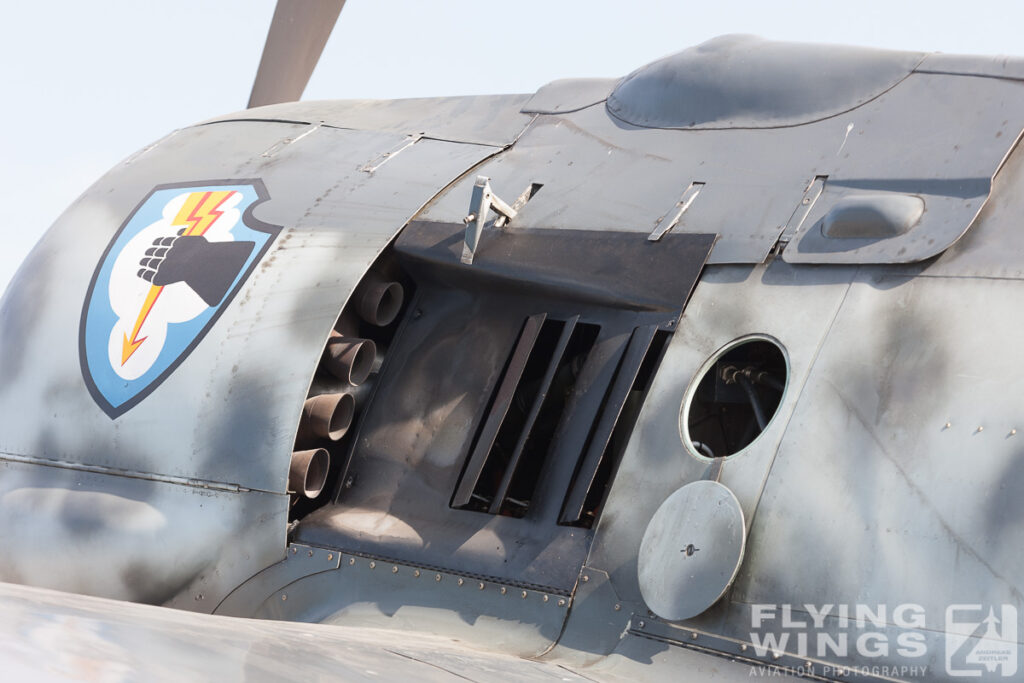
<point x="478" y="119"/>
<point x="973" y="65"/>
<point x="791" y="305"/>
<point x="994" y="246"/>
<point x="431" y="397"/>
<point x="569" y="94"/>
<point x="377" y="593"/>
<point x="45" y="635"/>
<point x="238" y="396"/>
<point x="912" y="403"/>
<point x="742" y="81"/>
<point x="299" y="561"/>
<point x="598" y="173"/>
<point x="131" y="538"/>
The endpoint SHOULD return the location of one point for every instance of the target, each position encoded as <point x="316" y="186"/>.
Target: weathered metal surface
<point x="131" y="538"/>
<point x="973" y="65"/>
<point x="227" y="416"/>
<point x="923" y="426"/>
<point x="994" y="246"/>
<point x="741" y="81"/>
<point x="299" y="562"/>
<point x="51" y="636"/>
<point x="691" y="550"/>
<point x="569" y="94"/>
<point x="337" y="221"/>
<point x="374" y="593"/>
<point x="794" y="306"/>
<point x="599" y="173"/>
<point x="895" y="434"/>
<point x="444" y="366"/>
<point x="480" y="119"/>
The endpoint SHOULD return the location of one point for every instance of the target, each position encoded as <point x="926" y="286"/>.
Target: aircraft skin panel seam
<point x="498" y="580"/>
<point x="131" y="474"/>
<point x="800" y="392"/>
<point x="477" y="143"/>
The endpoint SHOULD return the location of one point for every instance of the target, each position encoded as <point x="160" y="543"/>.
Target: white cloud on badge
<point x="177" y="302"/>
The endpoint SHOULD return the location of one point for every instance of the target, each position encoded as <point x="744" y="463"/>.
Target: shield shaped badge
<point x="165" y="278"/>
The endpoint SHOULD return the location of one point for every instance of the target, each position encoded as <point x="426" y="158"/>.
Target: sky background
<point x="87" y="83"/>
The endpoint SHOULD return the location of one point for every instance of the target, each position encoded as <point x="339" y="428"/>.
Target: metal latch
<point x="481" y="203"/>
<point x="811" y="194"/>
<point x="662" y="226"/>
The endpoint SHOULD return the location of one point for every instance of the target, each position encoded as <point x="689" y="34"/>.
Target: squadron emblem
<point x="165" y="278"/>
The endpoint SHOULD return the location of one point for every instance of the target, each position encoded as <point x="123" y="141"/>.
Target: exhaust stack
<point x="350" y="359"/>
<point x="308" y="472"/>
<point x="327" y="416"/>
<point x="378" y="301"/>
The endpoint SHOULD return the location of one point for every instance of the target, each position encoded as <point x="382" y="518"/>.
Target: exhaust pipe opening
<point x="349" y="359"/>
<point x="308" y="472"/>
<point x="327" y="416"/>
<point x="378" y="302"/>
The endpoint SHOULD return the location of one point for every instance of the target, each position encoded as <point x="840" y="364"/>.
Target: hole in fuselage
<point x="736" y="398"/>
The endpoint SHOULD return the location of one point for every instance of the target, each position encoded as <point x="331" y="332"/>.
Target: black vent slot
<point x="614" y="425"/>
<point x="514" y="440"/>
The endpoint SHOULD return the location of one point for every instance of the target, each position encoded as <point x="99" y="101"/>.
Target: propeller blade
<point x="298" y="33"/>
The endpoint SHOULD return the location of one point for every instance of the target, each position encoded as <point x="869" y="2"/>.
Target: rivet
<point x="1013" y="432"/>
<point x="373" y="565"/>
<point x="980" y="428"/>
<point x="810" y="665"/>
<point x="504" y="590"/>
<point x="461" y="581"/>
<point x="561" y="602"/>
<point x="351" y="560"/>
<point x="481" y="585"/>
<point x="437" y="577"/>
<point x="284" y="596"/>
<point x="416" y="573"/>
<point x="807" y="200"/>
<point x="294" y="550"/>
<point x="544" y="598"/>
<point x="693" y="635"/>
<point x="776" y="655"/>
<point x="199" y="596"/>
<point x="330" y="556"/>
<point x="617" y="607"/>
<point x="394" y="570"/>
<point x="524" y="594"/>
<point x="641" y="624"/>
<point x="311" y="553"/>
<point x="948" y="425"/>
<point x="585" y="578"/>
<point x="743" y="647"/>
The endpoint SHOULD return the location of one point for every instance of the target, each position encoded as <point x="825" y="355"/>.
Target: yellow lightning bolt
<point x="199" y="212"/>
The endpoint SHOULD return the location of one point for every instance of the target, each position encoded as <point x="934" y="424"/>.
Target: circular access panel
<point x="691" y="550"/>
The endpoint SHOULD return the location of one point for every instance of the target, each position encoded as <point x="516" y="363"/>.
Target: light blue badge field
<point x="166" y="276"/>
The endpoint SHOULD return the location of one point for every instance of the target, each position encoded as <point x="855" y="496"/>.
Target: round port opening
<point x="734" y="397"/>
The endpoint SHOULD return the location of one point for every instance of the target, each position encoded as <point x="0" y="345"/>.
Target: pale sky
<point x="87" y="83"/>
